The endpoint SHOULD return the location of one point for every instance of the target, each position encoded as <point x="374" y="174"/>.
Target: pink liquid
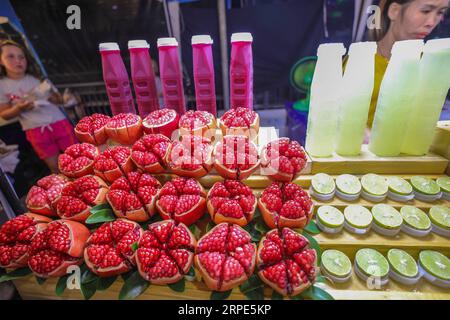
<point x="117" y="83"/>
<point x="171" y="78"/>
<point x="205" y="91"/>
<point x="241" y="74"/>
<point x="143" y="81"/>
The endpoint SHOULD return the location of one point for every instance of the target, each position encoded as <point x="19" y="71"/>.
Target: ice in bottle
<point x="241" y="70"/>
<point x="171" y="76"/>
<point x="143" y="77"/>
<point x="116" y="79"/>
<point x="395" y="99"/>
<point x="324" y="103"/>
<point x="434" y="83"/>
<point x="355" y="100"/>
<point x="203" y="64"/>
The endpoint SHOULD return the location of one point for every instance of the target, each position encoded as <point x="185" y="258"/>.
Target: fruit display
<point x="42" y="197"/>
<point x="415" y="221"/>
<point x="440" y="219"/>
<point x="399" y="189"/>
<point x="78" y="160"/>
<point x="330" y="219"/>
<point x="369" y="263"/>
<point x="358" y="219"/>
<point x="386" y="220"/>
<point x="348" y="187"/>
<point x="163" y="121"/>
<point x="435" y="267"/>
<point x="240" y="121"/>
<point x="196" y="122"/>
<point x="323" y="187"/>
<point x="113" y="163"/>
<point x="403" y="267"/>
<point x="374" y="187"/>
<point x="124" y="128"/>
<point x="425" y="189"/>
<point x="336" y="266"/>
<point x="444" y="184"/>
<point x="150" y="152"/>
<point x="91" y="129"/>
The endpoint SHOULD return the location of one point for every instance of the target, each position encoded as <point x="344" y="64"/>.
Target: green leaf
<point x="298" y="297"/>
<point x="217" y="295"/>
<point x="320" y="279"/>
<point x="253" y="288"/>
<point x="100" y="207"/>
<point x="105" y="283"/>
<point x="61" y="285"/>
<point x="261" y="227"/>
<point x="195" y="230"/>
<point x="210" y="225"/>
<point x="320" y="294"/>
<point x="87" y="276"/>
<point x="312" y="228"/>
<point x="101" y="216"/>
<point x="40" y="280"/>
<point x="191" y="272"/>
<point x="257" y="213"/>
<point x="134" y="286"/>
<point x="16" y="274"/>
<point x="88" y="283"/>
<point x="276" y="296"/>
<point x="135" y="246"/>
<point x="178" y="286"/>
<point x="314" y="245"/>
<point x="125" y="276"/>
<point x="256" y="235"/>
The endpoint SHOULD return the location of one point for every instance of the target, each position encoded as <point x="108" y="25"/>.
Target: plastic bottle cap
<point x="108" y="46"/>
<point x="201" y="39"/>
<point x="241" y="36"/>
<point x="437" y="45"/>
<point x="327" y="48"/>
<point x="363" y="47"/>
<point x="138" y="44"/>
<point x="408" y="47"/>
<point x="162" y="42"/>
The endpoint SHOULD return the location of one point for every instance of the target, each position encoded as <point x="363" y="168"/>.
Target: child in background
<point x="45" y="126"/>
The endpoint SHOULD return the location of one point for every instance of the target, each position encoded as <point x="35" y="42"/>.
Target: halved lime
<point x="425" y="185"/>
<point x="374" y="184"/>
<point x="402" y="263"/>
<point x="444" y="183"/>
<point x="323" y="183"/>
<point x="358" y="216"/>
<point x="435" y="263"/>
<point x="348" y="184"/>
<point x="415" y="218"/>
<point x="440" y="216"/>
<point x="329" y="216"/>
<point x="386" y="216"/>
<point x="372" y="263"/>
<point x="399" y="185"/>
<point x="336" y="263"/>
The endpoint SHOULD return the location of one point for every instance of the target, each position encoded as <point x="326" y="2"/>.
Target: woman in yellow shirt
<point x="401" y="20"/>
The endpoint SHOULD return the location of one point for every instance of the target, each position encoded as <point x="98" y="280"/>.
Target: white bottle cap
<point x="241" y="36"/>
<point x="108" y="46"/>
<point x="138" y="44"/>
<point x="333" y="48"/>
<point x="437" y="45"/>
<point x="408" y="47"/>
<point x="201" y="39"/>
<point x="162" y="42"/>
<point x="363" y="47"/>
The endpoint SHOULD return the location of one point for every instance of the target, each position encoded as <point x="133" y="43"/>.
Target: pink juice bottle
<point x="116" y="79"/>
<point x="205" y="91"/>
<point x="171" y="77"/>
<point x="143" y="77"/>
<point x="241" y="70"/>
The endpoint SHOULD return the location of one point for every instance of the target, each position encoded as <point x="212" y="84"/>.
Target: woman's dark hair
<point x="378" y="34"/>
<point x="32" y="69"/>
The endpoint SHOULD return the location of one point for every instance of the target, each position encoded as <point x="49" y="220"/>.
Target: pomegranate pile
<point x="148" y="174"/>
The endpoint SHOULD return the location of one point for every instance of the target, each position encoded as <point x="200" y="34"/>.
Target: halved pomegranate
<point x="225" y="257"/>
<point x="236" y="157"/>
<point x="149" y="153"/>
<point x="113" y="163"/>
<point x="109" y="250"/>
<point x="182" y="199"/>
<point x="91" y="129"/>
<point x="190" y="157"/>
<point x="166" y="252"/>
<point x="285" y="262"/>
<point x="231" y="201"/>
<point x="56" y="248"/>
<point x="78" y="198"/>
<point x="285" y="205"/>
<point x="16" y="236"/>
<point x="163" y="121"/>
<point x="42" y="196"/>
<point x="124" y="128"/>
<point x="240" y="121"/>
<point x="78" y="160"/>
<point x="133" y="196"/>
<point x="282" y="159"/>
<point x="197" y="123"/>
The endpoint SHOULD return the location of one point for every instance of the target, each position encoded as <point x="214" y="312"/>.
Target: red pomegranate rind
<point x="42" y="197"/>
<point x="282" y="159"/>
<point x="91" y="129"/>
<point x="133" y="197"/>
<point x="166" y="252"/>
<point x="149" y="153"/>
<point x="182" y="199"/>
<point x="235" y="157"/>
<point x="16" y="236"/>
<point x="240" y="121"/>
<point x="225" y="257"/>
<point x="231" y="201"/>
<point x="164" y="121"/>
<point x="285" y="205"/>
<point x="78" y="160"/>
<point x="56" y="248"/>
<point x="124" y="128"/>
<point x="285" y="262"/>
<point x="113" y="163"/>
<point x="196" y="122"/>
<point x="109" y="249"/>
<point x="78" y="198"/>
<point x="190" y="157"/>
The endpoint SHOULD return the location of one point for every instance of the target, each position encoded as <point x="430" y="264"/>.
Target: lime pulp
<point x="329" y="216"/>
<point x="440" y="216"/>
<point x="402" y="263"/>
<point x="374" y="184"/>
<point x="336" y="263"/>
<point x="415" y="218"/>
<point x="348" y="184"/>
<point x="435" y="263"/>
<point x="399" y="185"/>
<point x="323" y="183"/>
<point x="387" y="216"/>
<point x="358" y="216"/>
<point x="444" y="183"/>
<point x="425" y="185"/>
<point x="372" y="263"/>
